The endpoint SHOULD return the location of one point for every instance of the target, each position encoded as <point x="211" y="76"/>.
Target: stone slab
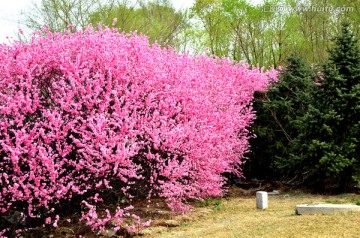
<point x="325" y="208"/>
<point x="274" y="192"/>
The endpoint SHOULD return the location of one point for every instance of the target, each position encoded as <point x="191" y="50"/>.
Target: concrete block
<point x="261" y="200"/>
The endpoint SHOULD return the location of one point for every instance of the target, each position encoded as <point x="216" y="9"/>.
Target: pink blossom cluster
<point x="93" y="110"/>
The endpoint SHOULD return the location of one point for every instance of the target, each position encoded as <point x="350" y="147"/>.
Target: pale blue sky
<point x="10" y="15"/>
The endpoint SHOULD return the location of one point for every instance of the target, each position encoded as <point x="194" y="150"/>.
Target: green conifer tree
<point x="326" y="151"/>
<point x="277" y="110"/>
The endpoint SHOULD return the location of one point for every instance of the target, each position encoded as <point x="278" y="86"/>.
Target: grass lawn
<point x="237" y="216"/>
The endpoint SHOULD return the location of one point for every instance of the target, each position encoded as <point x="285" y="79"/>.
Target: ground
<point x="235" y="215"/>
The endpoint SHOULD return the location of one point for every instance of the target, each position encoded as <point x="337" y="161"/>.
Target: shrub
<point x="90" y="112"/>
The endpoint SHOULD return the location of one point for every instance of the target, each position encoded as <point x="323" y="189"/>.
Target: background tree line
<point x="238" y="29"/>
<point x="307" y="124"/>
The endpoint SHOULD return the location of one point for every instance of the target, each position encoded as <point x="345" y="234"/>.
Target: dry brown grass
<point x="238" y="217"/>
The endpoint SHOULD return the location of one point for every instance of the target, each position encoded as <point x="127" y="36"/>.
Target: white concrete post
<point x="261" y="200"/>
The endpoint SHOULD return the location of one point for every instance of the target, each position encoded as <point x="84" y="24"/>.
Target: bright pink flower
<point x="91" y="110"/>
<point x="48" y="220"/>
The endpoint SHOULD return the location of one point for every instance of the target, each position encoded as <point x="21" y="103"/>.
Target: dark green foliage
<point x="326" y="151"/>
<point x="277" y="111"/>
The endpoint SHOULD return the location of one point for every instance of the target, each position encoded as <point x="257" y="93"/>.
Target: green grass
<point x="334" y="201"/>
<point x="209" y="202"/>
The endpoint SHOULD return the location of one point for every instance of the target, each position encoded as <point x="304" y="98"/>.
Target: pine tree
<point x="326" y="151"/>
<point x="277" y="110"/>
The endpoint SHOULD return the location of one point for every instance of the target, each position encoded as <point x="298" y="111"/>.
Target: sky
<point x="11" y="19"/>
<point x="10" y="16"/>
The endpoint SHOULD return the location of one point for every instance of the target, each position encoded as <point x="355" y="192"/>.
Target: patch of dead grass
<point x="238" y="217"/>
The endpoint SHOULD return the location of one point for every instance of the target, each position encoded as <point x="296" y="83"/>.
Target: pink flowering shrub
<point x="87" y="112"/>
